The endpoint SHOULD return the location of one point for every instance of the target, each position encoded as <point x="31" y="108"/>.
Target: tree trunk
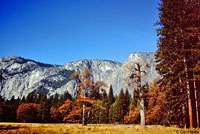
<point x="84" y="120"/>
<point x="193" y="98"/>
<point x="187" y="83"/>
<point x="141" y="96"/>
<point x="142" y="113"/>
<point x="187" y="119"/>
<point x="188" y="94"/>
<point x="196" y="103"/>
<point x="198" y="100"/>
<point x="183" y="109"/>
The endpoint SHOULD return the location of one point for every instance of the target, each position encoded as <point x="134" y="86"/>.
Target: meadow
<point x="36" y="128"/>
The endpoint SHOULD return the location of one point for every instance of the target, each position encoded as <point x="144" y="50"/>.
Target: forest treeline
<point x="103" y="107"/>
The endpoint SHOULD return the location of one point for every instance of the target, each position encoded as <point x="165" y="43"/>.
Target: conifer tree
<point x="127" y="101"/>
<point x="55" y="100"/>
<point x="44" y="110"/>
<point x="30" y="98"/>
<point x="111" y="98"/>
<point x="177" y="54"/>
<point x="114" y="113"/>
<point x="122" y="105"/>
<point x="67" y="96"/>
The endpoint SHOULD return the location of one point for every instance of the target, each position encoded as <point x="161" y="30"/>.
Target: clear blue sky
<point x="61" y="31"/>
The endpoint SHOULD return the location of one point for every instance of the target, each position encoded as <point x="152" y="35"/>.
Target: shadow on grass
<point x="9" y="127"/>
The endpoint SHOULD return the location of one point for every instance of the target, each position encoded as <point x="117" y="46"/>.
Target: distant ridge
<point x="24" y="76"/>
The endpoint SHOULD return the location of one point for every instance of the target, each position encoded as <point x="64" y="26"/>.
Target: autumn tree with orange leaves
<point x="72" y="111"/>
<point x="157" y="112"/>
<point x="27" y="112"/>
<point x="85" y="85"/>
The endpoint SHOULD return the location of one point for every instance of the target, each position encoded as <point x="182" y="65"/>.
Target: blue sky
<point x="62" y="31"/>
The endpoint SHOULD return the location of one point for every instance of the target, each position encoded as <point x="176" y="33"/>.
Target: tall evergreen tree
<point x="114" y="113"/>
<point x="176" y="56"/>
<point x="111" y="98"/>
<point x="122" y="105"/>
<point x="44" y="110"/>
<point x="67" y="96"/>
<point x="30" y="98"/>
<point x="127" y="100"/>
<point x="55" y="100"/>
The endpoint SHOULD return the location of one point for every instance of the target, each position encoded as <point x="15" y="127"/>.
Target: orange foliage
<point x="87" y="73"/>
<point x="133" y="116"/>
<point x="65" y="108"/>
<point x="157" y="106"/>
<point x="72" y="111"/>
<point x="100" y="84"/>
<point x="27" y="112"/>
<point x="75" y="75"/>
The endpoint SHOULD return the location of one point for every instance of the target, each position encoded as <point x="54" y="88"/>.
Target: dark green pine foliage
<point x="103" y="118"/>
<point x="66" y="96"/>
<point x="62" y="98"/>
<point x="122" y="105"/>
<point x="94" y="94"/>
<point x="12" y="105"/>
<point x="145" y="89"/>
<point x="176" y="57"/>
<point x="114" y="112"/>
<point x="5" y="112"/>
<point x="23" y="99"/>
<point x="135" y="98"/>
<point x="104" y="97"/>
<point x="127" y="101"/>
<point x="30" y="98"/>
<point x="111" y="98"/>
<point x="44" y="110"/>
<point x="37" y="98"/>
<point x="55" y="101"/>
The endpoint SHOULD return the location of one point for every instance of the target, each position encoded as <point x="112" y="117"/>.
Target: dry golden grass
<point x="36" y="128"/>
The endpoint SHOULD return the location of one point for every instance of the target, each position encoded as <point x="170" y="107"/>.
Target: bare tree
<point x="134" y="79"/>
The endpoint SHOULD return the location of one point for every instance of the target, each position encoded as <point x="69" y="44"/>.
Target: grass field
<point x="36" y="128"/>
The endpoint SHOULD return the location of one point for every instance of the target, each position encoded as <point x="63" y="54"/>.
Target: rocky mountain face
<point x="118" y="78"/>
<point x="22" y="76"/>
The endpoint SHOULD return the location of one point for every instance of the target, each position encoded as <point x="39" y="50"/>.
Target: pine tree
<point x="111" y="98"/>
<point x="176" y="56"/>
<point x="67" y="96"/>
<point x="55" y="100"/>
<point x="13" y="104"/>
<point x="30" y="98"/>
<point x="44" y="110"/>
<point x="122" y="105"/>
<point x="114" y="113"/>
<point x="127" y="101"/>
